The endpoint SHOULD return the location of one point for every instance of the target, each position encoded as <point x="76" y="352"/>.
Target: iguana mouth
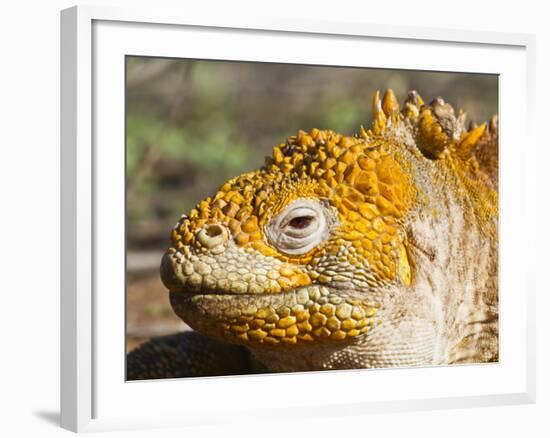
<point x="343" y="291"/>
<point x="187" y="292"/>
<point x="299" y="316"/>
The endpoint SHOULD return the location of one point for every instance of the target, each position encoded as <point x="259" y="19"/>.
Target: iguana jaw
<point x="301" y="316"/>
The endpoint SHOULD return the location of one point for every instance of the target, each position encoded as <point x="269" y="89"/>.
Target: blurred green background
<point x="192" y="124"/>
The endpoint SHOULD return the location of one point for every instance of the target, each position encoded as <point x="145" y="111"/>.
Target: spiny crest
<point x="439" y="129"/>
<point x="385" y="112"/>
<point x="440" y="134"/>
<point x="435" y="127"/>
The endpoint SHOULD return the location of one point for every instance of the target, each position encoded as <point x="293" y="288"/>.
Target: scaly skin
<point x="377" y="250"/>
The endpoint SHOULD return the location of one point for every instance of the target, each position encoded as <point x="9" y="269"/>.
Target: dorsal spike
<point x="461" y="122"/>
<point x="470" y="139"/>
<point x="431" y="138"/>
<point x="390" y="105"/>
<point x="412" y="105"/>
<point x="378" y="116"/>
<point x="419" y="102"/>
<point x="376" y="104"/>
<point x="452" y="125"/>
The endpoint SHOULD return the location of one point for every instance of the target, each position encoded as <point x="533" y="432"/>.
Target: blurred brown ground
<point x="190" y="125"/>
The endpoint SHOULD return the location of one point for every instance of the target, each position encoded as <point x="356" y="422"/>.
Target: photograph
<point x="304" y="218"/>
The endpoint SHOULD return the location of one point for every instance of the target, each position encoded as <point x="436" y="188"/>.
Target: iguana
<point x="342" y="252"/>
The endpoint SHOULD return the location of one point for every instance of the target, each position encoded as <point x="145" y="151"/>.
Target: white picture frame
<point x="94" y="41"/>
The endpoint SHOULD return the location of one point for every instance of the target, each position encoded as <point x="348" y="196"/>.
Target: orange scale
<point x="188" y="238"/>
<point x="386" y="207"/>
<point x="367" y="182"/>
<point x="231" y="209"/>
<point x="368" y="211"/>
<point x="362" y="226"/>
<point x="175" y="236"/>
<point x="385" y="239"/>
<point x="351" y="174"/>
<point x="366" y="163"/>
<point x="241" y="239"/>
<point x="346" y="142"/>
<point x="257" y="235"/>
<point x="386" y="191"/>
<point x="353" y="235"/>
<point x="347" y="205"/>
<point x="347" y="158"/>
<point x="378" y="225"/>
<point x="374" y="155"/>
<point x="337" y="151"/>
<point x="371" y="235"/>
<point x="250" y="225"/>
<point x="353" y="216"/>
<point x="354" y="195"/>
<point x="201" y="223"/>
<point x="340" y="167"/>
<point x="314" y="133"/>
<point x="234" y="226"/>
<point x="367" y="245"/>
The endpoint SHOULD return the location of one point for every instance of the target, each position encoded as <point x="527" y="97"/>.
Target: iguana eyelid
<point x="297" y="213"/>
<point x="299" y="240"/>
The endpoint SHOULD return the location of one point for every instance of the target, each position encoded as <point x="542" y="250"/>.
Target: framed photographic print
<point x="311" y="208"/>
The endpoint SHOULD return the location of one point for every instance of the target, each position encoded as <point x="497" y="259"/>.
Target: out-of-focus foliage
<point x="193" y="124"/>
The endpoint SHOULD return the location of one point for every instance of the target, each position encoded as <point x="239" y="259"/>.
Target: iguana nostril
<point x="213" y="230"/>
<point x="212" y="235"/>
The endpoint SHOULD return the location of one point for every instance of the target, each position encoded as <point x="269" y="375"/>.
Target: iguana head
<point x="308" y="248"/>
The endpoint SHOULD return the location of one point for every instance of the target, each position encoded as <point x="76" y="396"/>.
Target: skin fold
<point x="342" y="252"/>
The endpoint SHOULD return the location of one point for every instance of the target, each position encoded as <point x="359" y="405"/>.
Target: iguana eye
<point x="301" y="222"/>
<point x="300" y="227"/>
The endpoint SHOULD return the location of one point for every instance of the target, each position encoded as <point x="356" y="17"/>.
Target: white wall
<point x="29" y="184"/>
